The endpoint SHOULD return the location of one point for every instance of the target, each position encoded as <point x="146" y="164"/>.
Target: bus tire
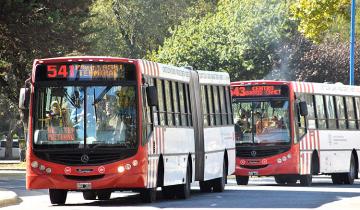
<point x="89" y="195"/>
<point x="183" y="190"/>
<point x="219" y="183"/>
<point x="280" y="179"/>
<point x="57" y="196"/>
<point x="242" y="180"/>
<point x="148" y="195"/>
<point x="306" y="180"/>
<point x="350" y="176"/>
<point x="291" y="179"/>
<point x="168" y="192"/>
<point x="205" y="186"/>
<point x="337" y="178"/>
<point x="104" y="194"/>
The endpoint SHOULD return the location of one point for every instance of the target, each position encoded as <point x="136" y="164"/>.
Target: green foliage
<point x="34" y="29"/>
<point x="132" y="28"/>
<point x="240" y="38"/>
<point x="316" y="18"/>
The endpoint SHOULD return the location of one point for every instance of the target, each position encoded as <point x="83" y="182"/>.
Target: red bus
<point x="294" y="130"/>
<point x="103" y="124"/>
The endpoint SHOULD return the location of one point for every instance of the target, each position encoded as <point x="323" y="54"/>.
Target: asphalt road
<point x="261" y="193"/>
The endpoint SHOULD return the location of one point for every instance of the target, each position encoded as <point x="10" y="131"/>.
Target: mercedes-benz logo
<point x="253" y="153"/>
<point x="84" y="158"/>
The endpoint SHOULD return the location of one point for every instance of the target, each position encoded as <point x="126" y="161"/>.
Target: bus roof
<point x="308" y="87"/>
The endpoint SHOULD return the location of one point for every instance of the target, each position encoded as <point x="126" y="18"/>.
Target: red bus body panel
<point x="268" y="166"/>
<point x="103" y="176"/>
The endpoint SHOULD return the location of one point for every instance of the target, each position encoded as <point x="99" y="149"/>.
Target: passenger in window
<point x="56" y="116"/>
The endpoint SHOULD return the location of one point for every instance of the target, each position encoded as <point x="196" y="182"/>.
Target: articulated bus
<point x="294" y="130"/>
<point x="104" y="124"/>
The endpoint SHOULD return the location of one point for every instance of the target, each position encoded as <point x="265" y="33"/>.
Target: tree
<point x="240" y="38"/>
<point x="317" y="18"/>
<point x="133" y="28"/>
<point x="35" y="29"/>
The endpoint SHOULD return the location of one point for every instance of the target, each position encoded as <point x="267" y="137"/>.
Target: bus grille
<point x="74" y="159"/>
<point x="264" y="152"/>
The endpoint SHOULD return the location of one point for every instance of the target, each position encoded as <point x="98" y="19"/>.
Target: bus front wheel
<point x="89" y="195"/>
<point x="148" y="195"/>
<point x="242" y="180"/>
<point x="57" y="196"/>
<point x="306" y="180"/>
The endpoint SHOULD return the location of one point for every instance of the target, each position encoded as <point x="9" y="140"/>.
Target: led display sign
<point x="263" y="90"/>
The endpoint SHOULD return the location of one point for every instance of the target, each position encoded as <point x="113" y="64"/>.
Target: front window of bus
<point x="262" y="121"/>
<point x="110" y="116"/>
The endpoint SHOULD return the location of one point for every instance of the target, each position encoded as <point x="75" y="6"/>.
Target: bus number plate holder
<point x="83" y="186"/>
<point x="253" y="173"/>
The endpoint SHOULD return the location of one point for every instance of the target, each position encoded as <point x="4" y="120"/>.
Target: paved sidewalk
<point x="8" y="198"/>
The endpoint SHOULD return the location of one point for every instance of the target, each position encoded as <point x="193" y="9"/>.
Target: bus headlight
<point x="135" y="162"/>
<point x="121" y="169"/>
<point x="34" y="164"/>
<point x="48" y="170"/>
<point x="284" y="158"/>
<point x="279" y="160"/>
<point x="42" y="167"/>
<point x="127" y="166"/>
<point x="289" y="156"/>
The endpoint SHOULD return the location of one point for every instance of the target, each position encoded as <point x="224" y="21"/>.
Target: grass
<point x="11" y="166"/>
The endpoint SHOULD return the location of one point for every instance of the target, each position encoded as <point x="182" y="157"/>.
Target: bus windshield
<point x="262" y="122"/>
<point x="79" y="116"/>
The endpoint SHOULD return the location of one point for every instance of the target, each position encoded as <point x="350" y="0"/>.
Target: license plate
<point x="84" y="186"/>
<point x="253" y="173"/>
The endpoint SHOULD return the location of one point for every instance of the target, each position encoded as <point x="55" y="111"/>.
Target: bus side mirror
<point x="152" y="97"/>
<point x="24" y="98"/>
<point x="303" y="108"/>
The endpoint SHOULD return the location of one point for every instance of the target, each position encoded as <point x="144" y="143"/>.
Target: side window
<point x="311" y="110"/>
<point x="182" y="105"/>
<point x="175" y="92"/>
<point x="162" y="108"/>
<point x="210" y="105"/>
<point x="168" y="100"/>
<point x="228" y="105"/>
<point x="223" y="105"/>
<point x="330" y="111"/>
<point x="350" y="112"/>
<point x="357" y="109"/>
<point x="340" y="111"/>
<point x="217" y="105"/>
<point x="300" y="122"/>
<point x="320" y="111"/>
<point x="204" y="105"/>
<point x="188" y="105"/>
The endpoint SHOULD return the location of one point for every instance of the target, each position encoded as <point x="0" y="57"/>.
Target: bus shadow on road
<point x="237" y="198"/>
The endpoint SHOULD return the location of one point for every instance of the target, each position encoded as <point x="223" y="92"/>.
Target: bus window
<point x="330" y="111"/>
<point x="204" y="105"/>
<point x="162" y="117"/>
<point x="320" y="111"/>
<point x="169" y="107"/>
<point x="340" y="111"/>
<point x="182" y="105"/>
<point x="357" y="108"/>
<point x="350" y="112"/>
<point x="217" y="105"/>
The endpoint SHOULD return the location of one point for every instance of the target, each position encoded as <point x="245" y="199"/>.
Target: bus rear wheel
<point x="219" y="183"/>
<point x="242" y="180"/>
<point x="183" y="190"/>
<point x="205" y="186"/>
<point x="57" y="196"/>
<point x="306" y="180"/>
<point x="350" y="176"/>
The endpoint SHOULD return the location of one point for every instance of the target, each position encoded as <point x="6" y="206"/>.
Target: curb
<point x="8" y="198"/>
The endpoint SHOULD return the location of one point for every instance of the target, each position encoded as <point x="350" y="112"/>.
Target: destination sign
<point x="85" y="71"/>
<point x="263" y="90"/>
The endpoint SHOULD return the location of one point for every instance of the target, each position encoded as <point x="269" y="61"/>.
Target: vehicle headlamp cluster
<point x="35" y="164"/>
<point x="128" y="166"/>
<point x="284" y="158"/>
